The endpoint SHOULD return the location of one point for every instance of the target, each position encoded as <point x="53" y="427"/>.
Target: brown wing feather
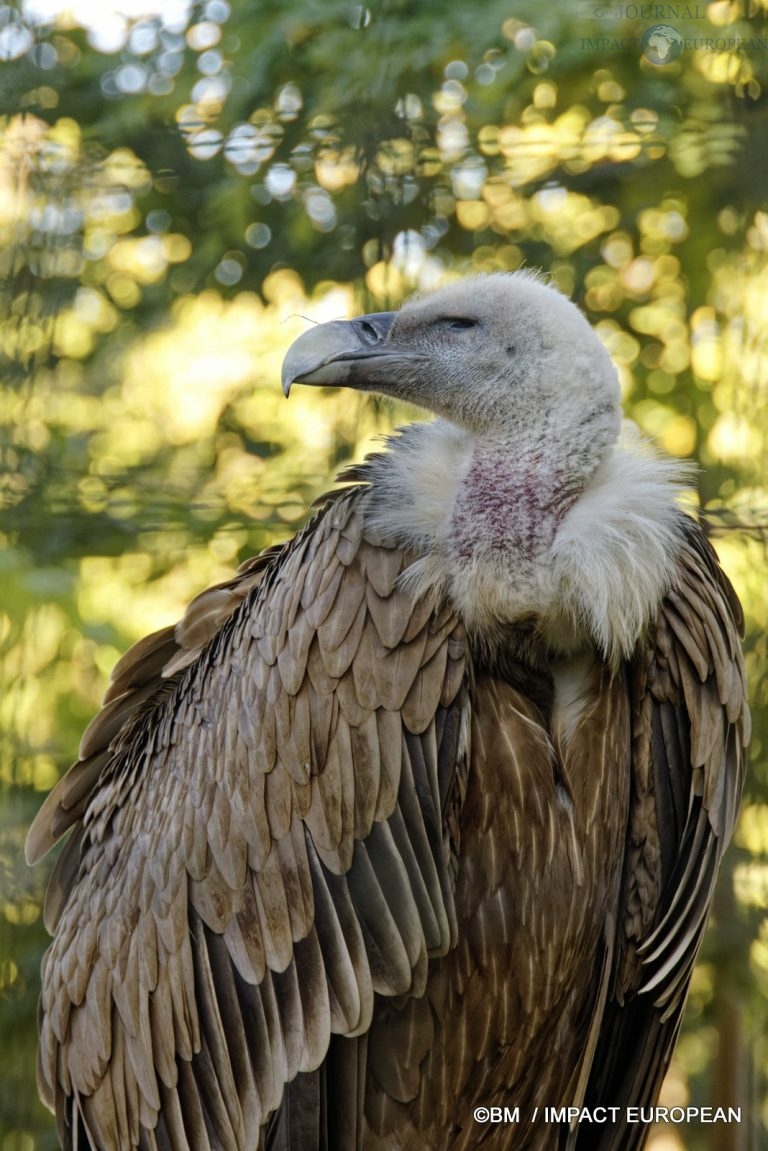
<point x="259" y="850"/>
<point x="691" y="728"/>
<point x="541" y="835"/>
<point x="144" y="670"/>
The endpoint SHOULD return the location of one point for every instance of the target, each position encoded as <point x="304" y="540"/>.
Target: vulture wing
<point x="235" y="891"/>
<point x="690" y="729"/>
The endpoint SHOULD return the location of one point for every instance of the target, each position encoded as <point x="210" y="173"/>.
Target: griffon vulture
<point x="421" y="812"/>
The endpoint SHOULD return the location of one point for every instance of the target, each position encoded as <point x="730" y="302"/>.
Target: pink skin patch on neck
<point x="511" y="504"/>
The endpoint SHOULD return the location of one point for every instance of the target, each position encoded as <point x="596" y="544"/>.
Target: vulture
<point x="419" y="815"/>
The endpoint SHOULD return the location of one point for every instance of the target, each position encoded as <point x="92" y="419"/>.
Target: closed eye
<point x="458" y="323"/>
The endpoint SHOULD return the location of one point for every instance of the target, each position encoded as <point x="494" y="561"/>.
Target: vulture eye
<point x="458" y="323"/>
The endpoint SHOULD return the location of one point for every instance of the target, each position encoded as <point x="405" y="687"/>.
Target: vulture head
<point x="505" y="354"/>
<point x="522" y="473"/>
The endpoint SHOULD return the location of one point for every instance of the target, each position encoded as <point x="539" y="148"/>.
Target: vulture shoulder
<point x="261" y="842"/>
<point x="690" y="729"/>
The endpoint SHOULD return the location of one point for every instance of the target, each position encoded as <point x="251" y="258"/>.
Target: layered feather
<point x="255" y="861"/>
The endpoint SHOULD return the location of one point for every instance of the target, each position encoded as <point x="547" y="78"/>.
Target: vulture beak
<point x="343" y="353"/>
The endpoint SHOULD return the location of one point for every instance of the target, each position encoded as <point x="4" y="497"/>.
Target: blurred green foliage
<point x="180" y="187"/>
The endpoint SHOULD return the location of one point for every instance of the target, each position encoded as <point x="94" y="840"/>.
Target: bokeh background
<point x="183" y="184"/>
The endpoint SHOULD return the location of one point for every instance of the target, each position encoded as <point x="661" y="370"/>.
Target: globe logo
<point x="661" y="44"/>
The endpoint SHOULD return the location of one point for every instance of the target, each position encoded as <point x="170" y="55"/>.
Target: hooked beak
<point x="343" y="353"/>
